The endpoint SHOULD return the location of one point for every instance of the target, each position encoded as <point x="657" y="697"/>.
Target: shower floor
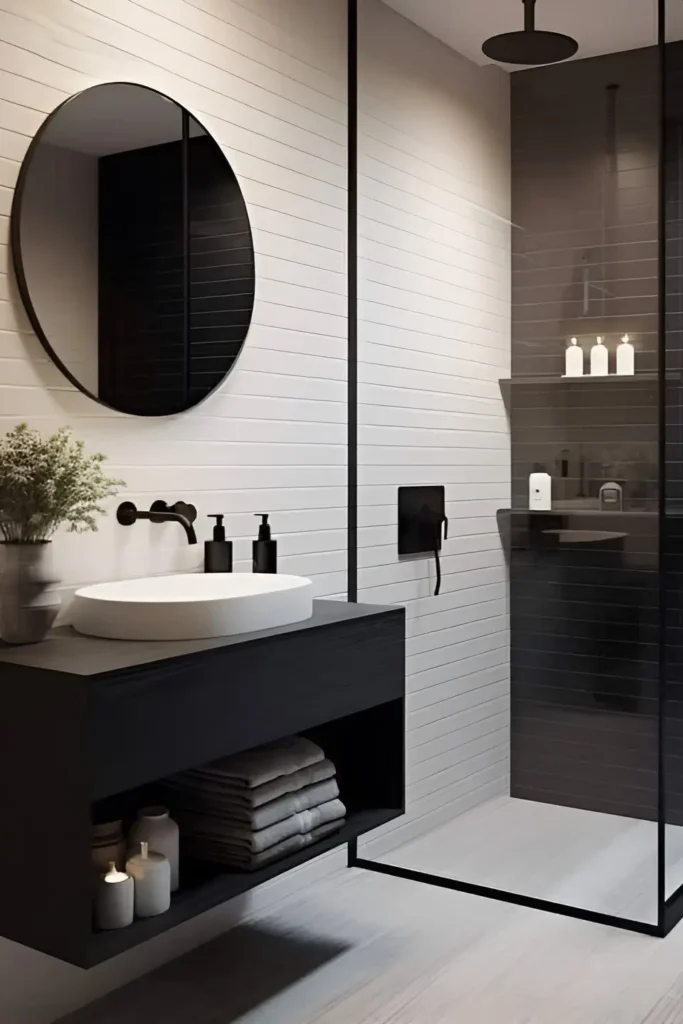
<point x="598" y="862"/>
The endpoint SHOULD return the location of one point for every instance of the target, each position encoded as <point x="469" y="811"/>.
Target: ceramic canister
<point x="156" y="827"/>
<point x="107" y="844"/>
<point x="151" y="873"/>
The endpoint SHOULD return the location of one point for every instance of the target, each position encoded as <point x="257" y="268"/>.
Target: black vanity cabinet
<point x="87" y="721"/>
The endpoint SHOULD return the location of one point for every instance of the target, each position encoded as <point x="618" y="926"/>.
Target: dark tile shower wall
<point x="142" y="287"/>
<point x="585" y="206"/>
<point x="585" y="603"/>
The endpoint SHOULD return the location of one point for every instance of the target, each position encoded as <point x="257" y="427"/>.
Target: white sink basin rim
<point x="191" y="606"/>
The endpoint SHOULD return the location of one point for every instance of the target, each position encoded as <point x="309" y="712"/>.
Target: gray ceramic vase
<point x="27" y="609"/>
<point x="156" y="827"/>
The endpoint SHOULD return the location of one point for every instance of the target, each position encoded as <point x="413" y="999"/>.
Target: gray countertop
<point x="67" y="651"/>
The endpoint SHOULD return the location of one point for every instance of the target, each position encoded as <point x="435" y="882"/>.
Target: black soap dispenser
<point x="264" y="549"/>
<point x="218" y="552"/>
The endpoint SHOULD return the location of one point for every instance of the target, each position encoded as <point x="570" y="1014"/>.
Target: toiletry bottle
<point x="611" y="497"/>
<point x="218" y="552"/>
<point x="540" y="491"/>
<point x="626" y="364"/>
<point x="264" y="549"/>
<point x="573" y="360"/>
<point x="599" y="359"/>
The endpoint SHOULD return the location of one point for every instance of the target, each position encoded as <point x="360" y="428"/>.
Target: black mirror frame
<point x="18" y="265"/>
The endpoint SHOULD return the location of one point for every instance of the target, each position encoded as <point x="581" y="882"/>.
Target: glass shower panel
<point x="571" y="817"/>
<point x="584" y="575"/>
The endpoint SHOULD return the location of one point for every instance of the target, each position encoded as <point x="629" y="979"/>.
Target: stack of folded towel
<point x="249" y="809"/>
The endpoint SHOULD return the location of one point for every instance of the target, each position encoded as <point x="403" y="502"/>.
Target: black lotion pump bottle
<point x="265" y="548"/>
<point x="218" y="552"/>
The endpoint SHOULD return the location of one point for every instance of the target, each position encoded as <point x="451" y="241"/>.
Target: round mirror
<point x="133" y="251"/>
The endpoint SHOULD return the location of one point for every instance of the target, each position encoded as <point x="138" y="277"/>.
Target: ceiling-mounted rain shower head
<point x="530" y="45"/>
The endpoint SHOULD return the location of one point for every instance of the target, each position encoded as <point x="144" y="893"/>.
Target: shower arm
<point x="529" y="15"/>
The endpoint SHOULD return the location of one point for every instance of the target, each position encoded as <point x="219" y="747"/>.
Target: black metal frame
<point x="17" y="258"/>
<point x="352" y="289"/>
<point x="669" y="910"/>
<point x="185" y="151"/>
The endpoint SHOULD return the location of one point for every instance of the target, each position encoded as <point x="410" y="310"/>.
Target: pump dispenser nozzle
<point x="264" y="528"/>
<point x="219" y="529"/>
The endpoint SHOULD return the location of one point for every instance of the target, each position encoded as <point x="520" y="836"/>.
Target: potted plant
<point x="45" y="482"/>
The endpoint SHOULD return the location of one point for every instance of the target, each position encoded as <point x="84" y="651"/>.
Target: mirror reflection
<point x="133" y="250"/>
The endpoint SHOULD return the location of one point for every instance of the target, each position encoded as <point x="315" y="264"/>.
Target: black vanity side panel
<point x="157" y="720"/>
<point x="45" y="872"/>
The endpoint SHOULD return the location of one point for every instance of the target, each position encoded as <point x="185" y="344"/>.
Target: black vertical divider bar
<point x="352" y="323"/>
<point x="661" y="444"/>
<point x="352" y="288"/>
<point x="186" y="251"/>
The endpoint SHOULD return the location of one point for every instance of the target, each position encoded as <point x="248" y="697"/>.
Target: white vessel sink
<point x="191" y="606"/>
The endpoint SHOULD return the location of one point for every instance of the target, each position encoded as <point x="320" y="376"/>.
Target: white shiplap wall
<point x="434" y="337"/>
<point x="268" y="78"/>
<point x="269" y="81"/>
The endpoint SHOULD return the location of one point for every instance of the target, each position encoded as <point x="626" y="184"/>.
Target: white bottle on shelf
<point x="540" y="492"/>
<point x="573" y="360"/>
<point x="626" y="362"/>
<point x="599" y="359"/>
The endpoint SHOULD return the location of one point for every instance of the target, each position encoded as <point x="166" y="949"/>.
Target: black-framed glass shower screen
<point x="560" y="784"/>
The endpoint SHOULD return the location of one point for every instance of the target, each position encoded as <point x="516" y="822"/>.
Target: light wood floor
<point x="367" y="949"/>
<point x="598" y="862"/>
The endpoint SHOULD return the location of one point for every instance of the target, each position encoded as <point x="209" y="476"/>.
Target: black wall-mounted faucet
<point x="160" y="512"/>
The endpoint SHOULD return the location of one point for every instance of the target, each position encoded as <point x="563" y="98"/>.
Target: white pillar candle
<point x="114" y="899"/>
<point x="599" y="359"/>
<point x="626" y="363"/>
<point x="152" y="875"/>
<point x="573" y="360"/>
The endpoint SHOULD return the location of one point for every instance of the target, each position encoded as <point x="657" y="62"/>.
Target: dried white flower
<point x="45" y="482"/>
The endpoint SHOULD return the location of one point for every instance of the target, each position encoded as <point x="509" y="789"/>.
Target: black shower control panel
<point x="421" y="515"/>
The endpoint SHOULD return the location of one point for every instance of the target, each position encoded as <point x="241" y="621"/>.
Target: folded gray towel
<point x="193" y="783"/>
<point x="238" y="858"/>
<point x="224" y="808"/>
<point x="263" y="764"/>
<point x="195" y="825"/>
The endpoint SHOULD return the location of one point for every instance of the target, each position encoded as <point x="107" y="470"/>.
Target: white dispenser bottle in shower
<point x="540" y="492"/>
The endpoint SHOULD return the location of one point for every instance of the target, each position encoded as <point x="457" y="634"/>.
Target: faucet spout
<point x="175" y="517"/>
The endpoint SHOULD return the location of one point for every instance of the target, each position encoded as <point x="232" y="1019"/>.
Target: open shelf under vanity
<point x="205" y="886"/>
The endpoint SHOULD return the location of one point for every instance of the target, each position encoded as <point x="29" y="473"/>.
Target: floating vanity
<point x="88" y="721"/>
